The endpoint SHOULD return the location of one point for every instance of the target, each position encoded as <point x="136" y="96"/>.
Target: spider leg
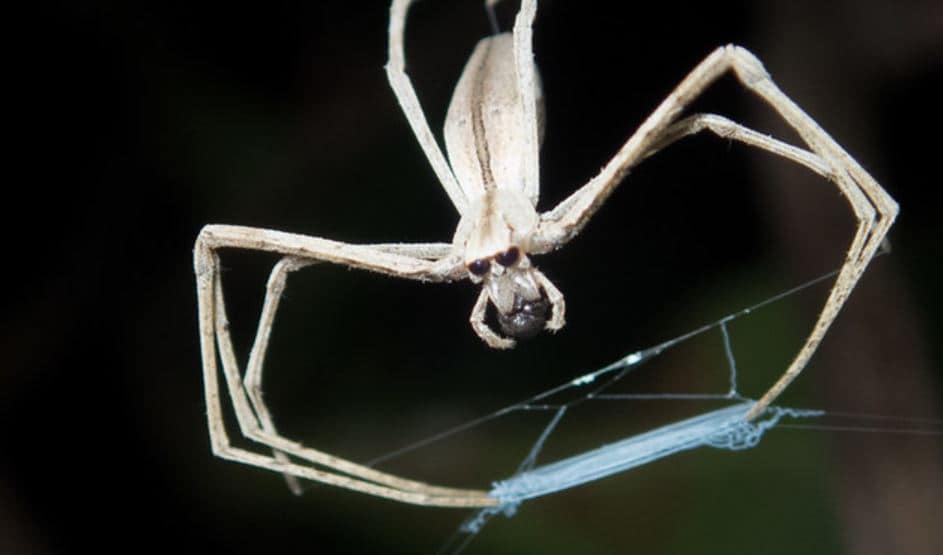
<point x="214" y="335"/>
<point x="727" y="129"/>
<point x="253" y="377"/>
<point x="406" y="96"/>
<point x="529" y="87"/>
<point x="558" y="315"/>
<point x="874" y="209"/>
<point x="484" y="331"/>
<point x="273" y="293"/>
<point x="492" y="18"/>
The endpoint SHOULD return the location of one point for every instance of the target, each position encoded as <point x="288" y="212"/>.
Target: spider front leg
<point x="874" y="209"/>
<point x="406" y="96"/>
<point x="214" y="334"/>
<point x="275" y="287"/>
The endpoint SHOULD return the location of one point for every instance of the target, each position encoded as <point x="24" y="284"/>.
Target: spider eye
<point x="508" y="257"/>
<point x="479" y="267"/>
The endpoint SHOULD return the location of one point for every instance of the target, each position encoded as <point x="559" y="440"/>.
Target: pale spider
<point x="492" y="135"/>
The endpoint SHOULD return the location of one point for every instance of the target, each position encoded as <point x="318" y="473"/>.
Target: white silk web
<point x="722" y="428"/>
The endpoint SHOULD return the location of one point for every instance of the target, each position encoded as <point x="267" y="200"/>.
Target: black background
<point x="146" y="121"/>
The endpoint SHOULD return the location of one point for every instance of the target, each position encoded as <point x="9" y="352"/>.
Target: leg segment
<point x="409" y="102"/>
<point x="273" y="294"/>
<point x="477" y="320"/>
<point x="558" y="315"/>
<point x="214" y="334"/>
<point x="253" y="377"/>
<point x="727" y="129"/>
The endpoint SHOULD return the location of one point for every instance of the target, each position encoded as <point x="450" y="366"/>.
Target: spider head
<point x="512" y="287"/>
<point x="495" y="236"/>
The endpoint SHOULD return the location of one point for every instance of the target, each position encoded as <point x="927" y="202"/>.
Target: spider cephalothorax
<point x="513" y="288"/>
<point x="495" y="236"/>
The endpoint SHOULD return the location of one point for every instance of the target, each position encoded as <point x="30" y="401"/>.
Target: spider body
<point x="492" y="134"/>
<point x="485" y="137"/>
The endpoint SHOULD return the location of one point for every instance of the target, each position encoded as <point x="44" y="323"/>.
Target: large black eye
<point x="479" y="267"/>
<point x="508" y="257"/>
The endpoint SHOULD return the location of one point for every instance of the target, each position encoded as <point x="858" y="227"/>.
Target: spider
<point x="493" y="131"/>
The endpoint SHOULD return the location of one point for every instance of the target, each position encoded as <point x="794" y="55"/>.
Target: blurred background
<point x="147" y="120"/>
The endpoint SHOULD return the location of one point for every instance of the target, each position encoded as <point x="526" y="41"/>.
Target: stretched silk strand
<point x="724" y="428"/>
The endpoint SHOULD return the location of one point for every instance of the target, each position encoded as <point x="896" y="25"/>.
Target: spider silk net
<point x="723" y="428"/>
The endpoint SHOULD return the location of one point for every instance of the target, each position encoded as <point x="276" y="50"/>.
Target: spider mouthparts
<point x="526" y="318"/>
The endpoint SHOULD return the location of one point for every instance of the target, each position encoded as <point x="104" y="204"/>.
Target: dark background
<point x="146" y="121"/>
